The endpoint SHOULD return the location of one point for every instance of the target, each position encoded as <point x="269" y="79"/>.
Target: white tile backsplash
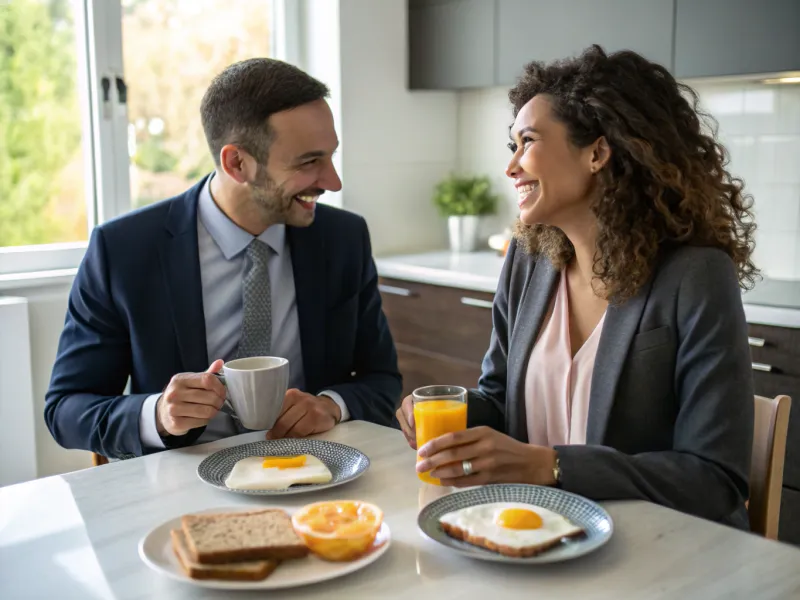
<point x="789" y="108"/>
<point x="763" y="139"/>
<point x="759" y="102"/>
<point x="787" y="160"/>
<point x="776" y="254"/>
<point x="782" y="212"/>
<point x="758" y="124"/>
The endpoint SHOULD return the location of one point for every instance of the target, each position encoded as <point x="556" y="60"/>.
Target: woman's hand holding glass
<point x="492" y="457"/>
<point x="488" y="455"/>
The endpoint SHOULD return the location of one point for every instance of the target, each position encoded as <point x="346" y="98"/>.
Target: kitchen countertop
<point x="476" y="271"/>
<point x="76" y="536"/>
<point x="771" y="302"/>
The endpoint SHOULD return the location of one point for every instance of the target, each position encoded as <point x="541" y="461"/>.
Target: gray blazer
<point x="671" y="403"/>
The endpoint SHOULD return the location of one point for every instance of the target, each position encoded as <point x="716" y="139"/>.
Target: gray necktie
<point x="256" y="295"/>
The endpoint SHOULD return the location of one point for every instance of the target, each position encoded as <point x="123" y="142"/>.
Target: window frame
<point x="98" y="32"/>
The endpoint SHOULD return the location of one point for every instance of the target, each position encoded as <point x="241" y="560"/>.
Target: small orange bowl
<point x="340" y="530"/>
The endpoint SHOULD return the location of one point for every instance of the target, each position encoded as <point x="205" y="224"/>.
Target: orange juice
<point x="433" y="418"/>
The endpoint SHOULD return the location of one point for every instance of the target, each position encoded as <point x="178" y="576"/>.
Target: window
<point x="43" y="185"/>
<point x="99" y="109"/>
<point x="171" y="49"/>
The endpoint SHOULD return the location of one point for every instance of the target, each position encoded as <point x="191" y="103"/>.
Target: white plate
<point x="155" y="549"/>
<point x="344" y="463"/>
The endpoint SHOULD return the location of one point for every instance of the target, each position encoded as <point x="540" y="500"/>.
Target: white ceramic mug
<point x="255" y="389"/>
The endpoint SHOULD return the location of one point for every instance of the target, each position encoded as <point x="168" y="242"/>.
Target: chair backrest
<point x="766" y="468"/>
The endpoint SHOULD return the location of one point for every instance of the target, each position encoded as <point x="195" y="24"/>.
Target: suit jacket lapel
<point x="535" y="300"/>
<point x="180" y="258"/>
<point x="307" y="248"/>
<point x="619" y="328"/>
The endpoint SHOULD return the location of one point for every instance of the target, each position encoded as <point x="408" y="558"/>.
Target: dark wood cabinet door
<point x="778" y="348"/>
<point x="441" y="333"/>
<point x="446" y="321"/>
<point x="771" y="385"/>
<point x="789" y="528"/>
<point x="420" y="368"/>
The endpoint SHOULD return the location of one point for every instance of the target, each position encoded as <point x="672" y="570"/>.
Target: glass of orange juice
<point x="438" y="409"/>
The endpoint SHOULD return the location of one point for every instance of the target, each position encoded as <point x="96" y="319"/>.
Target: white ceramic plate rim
<point x="577" y="548"/>
<point x="156" y="545"/>
<point x="300" y="489"/>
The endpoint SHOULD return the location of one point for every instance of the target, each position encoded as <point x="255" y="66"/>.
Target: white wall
<point x="396" y="144"/>
<point x="759" y="124"/>
<point x="319" y="55"/>
<point x="483" y="120"/>
<point x="17" y="429"/>
<point x="25" y="387"/>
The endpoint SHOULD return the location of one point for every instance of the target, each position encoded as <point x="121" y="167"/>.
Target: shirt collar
<point x="231" y="238"/>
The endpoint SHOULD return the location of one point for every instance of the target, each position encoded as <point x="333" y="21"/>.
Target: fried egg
<point x="511" y="524"/>
<point x="276" y="472"/>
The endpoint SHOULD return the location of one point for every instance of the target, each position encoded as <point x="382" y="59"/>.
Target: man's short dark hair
<point x="237" y="104"/>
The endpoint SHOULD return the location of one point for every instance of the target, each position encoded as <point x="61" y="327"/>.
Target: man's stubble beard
<point x="270" y="197"/>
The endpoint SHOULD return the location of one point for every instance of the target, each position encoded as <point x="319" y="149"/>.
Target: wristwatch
<point x="557" y="472"/>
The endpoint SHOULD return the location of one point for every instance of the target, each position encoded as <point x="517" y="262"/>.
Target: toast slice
<point x="522" y="552"/>
<point x="258" y="535"/>
<point x="254" y="570"/>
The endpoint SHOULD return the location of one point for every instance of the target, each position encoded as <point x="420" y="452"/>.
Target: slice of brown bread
<point x="253" y="570"/>
<point x="256" y="535"/>
<point x="524" y="552"/>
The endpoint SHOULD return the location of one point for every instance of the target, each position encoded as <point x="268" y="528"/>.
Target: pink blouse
<point x="557" y="386"/>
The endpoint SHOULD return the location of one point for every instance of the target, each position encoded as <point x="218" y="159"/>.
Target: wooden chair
<point x="98" y="459"/>
<point x="766" y="469"/>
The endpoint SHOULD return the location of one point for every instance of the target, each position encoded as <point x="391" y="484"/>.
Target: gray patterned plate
<point x="592" y="518"/>
<point x="345" y="463"/>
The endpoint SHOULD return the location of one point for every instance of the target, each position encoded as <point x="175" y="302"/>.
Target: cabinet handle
<point x="395" y="291"/>
<point x="762" y="367"/>
<point x="476" y="302"/>
<point x="757" y="342"/>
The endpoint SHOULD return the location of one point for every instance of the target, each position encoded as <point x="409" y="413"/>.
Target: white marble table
<point x="76" y="536"/>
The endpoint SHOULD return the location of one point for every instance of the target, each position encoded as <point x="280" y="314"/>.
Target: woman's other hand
<point x="405" y="415"/>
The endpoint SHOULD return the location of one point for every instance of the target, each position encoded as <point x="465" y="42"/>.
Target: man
<point x="245" y="263"/>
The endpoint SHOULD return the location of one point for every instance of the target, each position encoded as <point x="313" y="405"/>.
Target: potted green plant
<point x="463" y="201"/>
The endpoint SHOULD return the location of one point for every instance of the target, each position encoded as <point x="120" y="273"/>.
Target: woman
<point x="619" y="366"/>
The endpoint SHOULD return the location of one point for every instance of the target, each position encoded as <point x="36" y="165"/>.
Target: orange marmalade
<point x="339" y="530"/>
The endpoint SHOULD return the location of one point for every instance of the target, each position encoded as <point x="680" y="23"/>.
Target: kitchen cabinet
<point x="776" y="370"/>
<point x="736" y="37"/>
<point x="451" y="43"/>
<point x="789" y="527"/>
<point x="457" y="44"/>
<point x="545" y="30"/>
<point x="441" y="333"/>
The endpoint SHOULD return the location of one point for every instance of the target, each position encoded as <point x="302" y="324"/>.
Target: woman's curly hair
<point x="665" y="183"/>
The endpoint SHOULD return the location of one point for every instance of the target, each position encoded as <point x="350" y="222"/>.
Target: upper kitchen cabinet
<point x="547" y="29"/>
<point x="451" y="43"/>
<point x="736" y="37"/>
